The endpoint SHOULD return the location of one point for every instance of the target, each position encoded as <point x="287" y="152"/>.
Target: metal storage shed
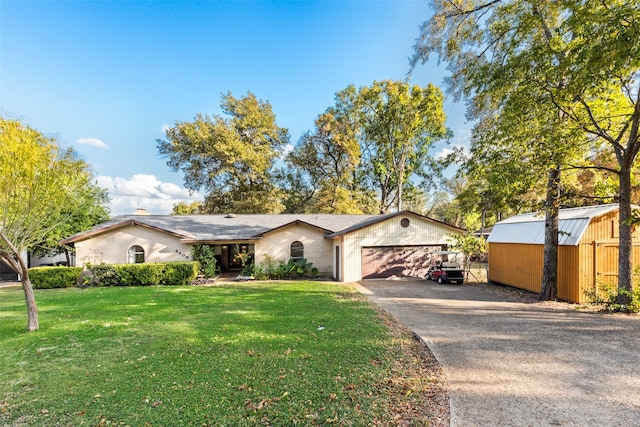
<point x="587" y="256"/>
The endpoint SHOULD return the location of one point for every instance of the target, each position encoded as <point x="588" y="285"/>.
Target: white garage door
<point x="397" y="261"/>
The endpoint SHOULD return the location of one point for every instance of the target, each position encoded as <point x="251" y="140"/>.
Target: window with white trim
<point x="136" y="254"/>
<point x="297" y="250"/>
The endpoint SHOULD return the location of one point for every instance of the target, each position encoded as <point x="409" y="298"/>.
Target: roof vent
<point x="230" y="216"/>
<point x="141" y="211"/>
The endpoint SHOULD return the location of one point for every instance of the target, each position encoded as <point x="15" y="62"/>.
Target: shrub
<point x="269" y="268"/>
<point x="207" y="259"/>
<point x="172" y="274"/>
<point x="607" y="295"/>
<point x="54" y="277"/>
<point x="179" y="273"/>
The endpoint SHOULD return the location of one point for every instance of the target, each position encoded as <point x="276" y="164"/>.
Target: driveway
<point x="512" y="363"/>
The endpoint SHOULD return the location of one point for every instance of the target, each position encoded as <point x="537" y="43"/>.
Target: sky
<point x="108" y="77"/>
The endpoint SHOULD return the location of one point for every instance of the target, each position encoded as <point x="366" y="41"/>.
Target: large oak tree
<point x="232" y="158"/>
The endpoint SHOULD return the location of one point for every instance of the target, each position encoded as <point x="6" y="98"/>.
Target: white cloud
<point x="443" y="153"/>
<point x="446" y="151"/>
<point x="94" y="142"/>
<point x="165" y="127"/>
<point x="144" y="191"/>
<point x="287" y="149"/>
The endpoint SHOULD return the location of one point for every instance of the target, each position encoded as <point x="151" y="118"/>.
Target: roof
<point x="245" y="227"/>
<point x="217" y="228"/>
<point x="529" y="227"/>
<point x="379" y="218"/>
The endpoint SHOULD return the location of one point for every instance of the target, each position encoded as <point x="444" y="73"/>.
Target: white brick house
<point x="345" y="247"/>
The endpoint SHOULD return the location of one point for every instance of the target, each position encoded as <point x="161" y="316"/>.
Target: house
<point x="587" y="254"/>
<point x="7" y="274"/>
<point x="345" y="247"/>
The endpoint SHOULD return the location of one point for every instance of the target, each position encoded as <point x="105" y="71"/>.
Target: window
<point x="297" y="250"/>
<point x="136" y="254"/>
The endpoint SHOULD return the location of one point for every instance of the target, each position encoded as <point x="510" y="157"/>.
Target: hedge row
<point x="54" y="277"/>
<point x="167" y="274"/>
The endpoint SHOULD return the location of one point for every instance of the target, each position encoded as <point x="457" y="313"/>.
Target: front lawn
<point x="291" y="353"/>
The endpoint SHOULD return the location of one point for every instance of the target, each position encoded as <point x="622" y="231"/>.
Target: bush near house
<point x="54" y="277"/>
<point x="167" y="274"/>
<point x="270" y="269"/>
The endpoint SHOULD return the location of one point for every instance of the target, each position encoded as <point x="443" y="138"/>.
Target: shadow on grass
<point x="285" y="352"/>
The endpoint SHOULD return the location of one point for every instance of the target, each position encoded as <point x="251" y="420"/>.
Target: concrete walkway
<point x="511" y="363"/>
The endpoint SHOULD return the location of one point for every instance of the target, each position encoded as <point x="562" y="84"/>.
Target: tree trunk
<point x="625" y="278"/>
<point x="549" y="289"/>
<point x="15" y="261"/>
<point x="32" y="309"/>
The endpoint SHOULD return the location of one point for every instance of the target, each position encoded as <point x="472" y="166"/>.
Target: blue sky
<point x="106" y="77"/>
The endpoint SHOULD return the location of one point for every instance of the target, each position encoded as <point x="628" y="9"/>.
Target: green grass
<point x="292" y="353"/>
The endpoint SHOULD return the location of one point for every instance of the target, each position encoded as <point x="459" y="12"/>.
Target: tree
<point x="330" y="157"/>
<point x="43" y="191"/>
<point x="183" y="208"/>
<point x="88" y="207"/>
<point x="577" y="62"/>
<point x="399" y="124"/>
<point x="233" y="158"/>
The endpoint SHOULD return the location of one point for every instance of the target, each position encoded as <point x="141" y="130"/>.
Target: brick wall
<point x="317" y="249"/>
<point x="113" y="247"/>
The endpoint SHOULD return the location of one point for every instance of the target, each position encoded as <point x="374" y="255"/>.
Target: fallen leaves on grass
<point x="417" y="388"/>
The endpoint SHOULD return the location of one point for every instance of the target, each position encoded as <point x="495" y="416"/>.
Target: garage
<point x="7" y="273"/>
<point x="397" y="261"/>
<point x="393" y="245"/>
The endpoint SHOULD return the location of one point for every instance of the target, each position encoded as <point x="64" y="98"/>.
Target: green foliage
<point x="270" y="268"/>
<point x="45" y="192"/>
<point x="183" y="208"/>
<point x="399" y="123"/>
<point x="330" y="157"/>
<point x="231" y="158"/>
<point x="554" y="84"/>
<point x="245" y="259"/>
<point x="54" y="277"/>
<point x="179" y="273"/>
<point x="470" y="245"/>
<point x="608" y="296"/>
<point x="205" y="256"/>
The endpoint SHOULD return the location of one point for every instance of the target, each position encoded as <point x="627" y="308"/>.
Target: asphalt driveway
<point x="510" y="363"/>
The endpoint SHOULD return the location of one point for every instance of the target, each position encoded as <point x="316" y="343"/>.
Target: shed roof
<point x="528" y="228"/>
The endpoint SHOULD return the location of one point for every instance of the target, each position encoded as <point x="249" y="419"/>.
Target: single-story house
<point x="588" y="241"/>
<point x="7" y="274"/>
<point x="345" y="247"/>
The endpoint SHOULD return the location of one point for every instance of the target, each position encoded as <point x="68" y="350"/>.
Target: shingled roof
<point x="209" y="228"/>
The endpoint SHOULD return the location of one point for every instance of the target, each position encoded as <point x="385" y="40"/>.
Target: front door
<point x="236" y="255"/>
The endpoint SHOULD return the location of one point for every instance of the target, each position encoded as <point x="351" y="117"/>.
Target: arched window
<point x="297" y="250"/>
<point x="136" y="254"/>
